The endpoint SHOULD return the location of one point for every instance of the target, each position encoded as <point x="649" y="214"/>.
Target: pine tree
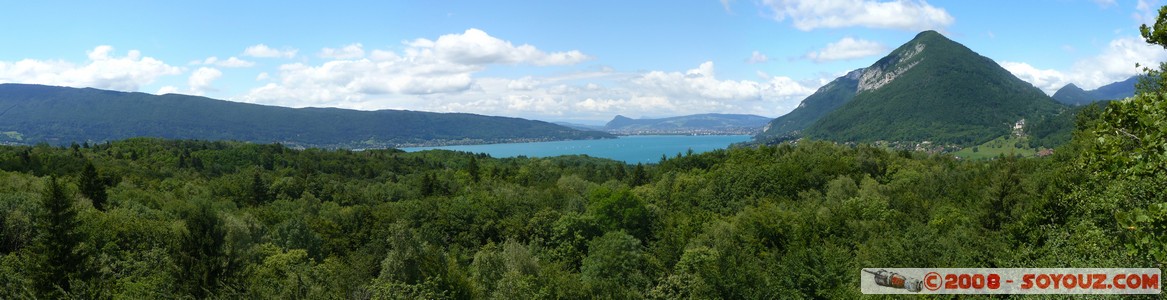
<point x="202" y="255"/>
<point x="259" y="193"/>
<point x="639" y="176"/>
<point x="92" y="186"/>
<point x="472" y="168"/>
<point x="57" y="243"/>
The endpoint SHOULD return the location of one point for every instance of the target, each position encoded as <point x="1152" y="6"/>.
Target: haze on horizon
<point x="574" y="62"/>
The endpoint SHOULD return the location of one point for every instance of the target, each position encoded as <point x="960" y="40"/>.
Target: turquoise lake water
<point x="630" y="149"/>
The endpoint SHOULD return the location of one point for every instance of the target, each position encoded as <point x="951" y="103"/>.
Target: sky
<point x="572" y="61"/>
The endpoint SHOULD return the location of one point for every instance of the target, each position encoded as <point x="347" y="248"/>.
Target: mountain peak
<point x="1073" y="95"/>
<point x="901" y="60"/>
<point x="930" y="88"/>
<point x="929" y="34"/>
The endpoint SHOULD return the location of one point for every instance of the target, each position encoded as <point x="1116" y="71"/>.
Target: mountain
<point x="1118" y="90"/>
<point x="1073" y="95"/>
<point x="57" y="115"/>
<point x="825" y="100"/>
<point x="691" y="124"/>
<point x="929" y="89"/>
<point x="577" y="126"/>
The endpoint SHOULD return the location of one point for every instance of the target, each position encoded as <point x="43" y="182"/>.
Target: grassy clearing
<point x="1006" y="145"/>
<point x="13" y="135"/>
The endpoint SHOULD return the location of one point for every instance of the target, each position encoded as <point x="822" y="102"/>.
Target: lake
<point x="631" y="149"/>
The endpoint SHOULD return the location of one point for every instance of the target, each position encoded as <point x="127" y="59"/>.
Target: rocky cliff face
<point x="884" y="72"/>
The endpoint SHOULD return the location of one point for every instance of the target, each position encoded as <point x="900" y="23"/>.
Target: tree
<point x="58" y="242"/>
<point x="1157" y="33"/>
<point x="639" y="176"/>
<point x="1130" y="150"/>
<point x="259" y="192"/>
<point x="472" y="168"/>
<point x="92" y="186"/>
<point x="615" y="266"/>
<point x="622" y="210"/>
<point x="202" y="254"/>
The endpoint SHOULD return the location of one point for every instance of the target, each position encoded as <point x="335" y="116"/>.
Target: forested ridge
<point x="31" y="114"/>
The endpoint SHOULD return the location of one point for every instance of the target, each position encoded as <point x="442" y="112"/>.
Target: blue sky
<point x="583" y="61"/>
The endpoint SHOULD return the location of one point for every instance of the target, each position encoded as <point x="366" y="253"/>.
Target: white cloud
<point x="262" y="76"/>
<point x="439" y="75"/>
<point x="1115" y="63"/>
<point x="352" y="51"/>
<point x="235" y="62"/>
<point x="1146" y="11"/>
<point x="808" y="15"/>
<point x="700" y="83"/>
<point x="232" y="62"/>
<point x="103" y="71"/>
<point x="264" y="51"/>
<point x="441" y="66"/>
<point x="523" y="84"/>
<point x="585" y="95"/>
<point x="475" y="47"/>
<point x="847" y="48"/>
<point x="200" y="80"/>
<point x="725" y="4"/>
<point x="757" y="58"/>
<point x="170" y="89"/>
<point x="1047" y="80"/>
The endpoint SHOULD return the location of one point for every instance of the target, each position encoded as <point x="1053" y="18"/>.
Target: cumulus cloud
<point x="846" y="49"/>
<point x="523" y="84"/>
<point x="170" y="89"/>
<point x="701" y="83"/>
<point x="808" y="15"/>
<point x="757" y="58"/>
<point x="264" y="51"/>
<point x="1047" y="80"/>
<point x="475" y="47"/>
<point x="352" y="51"/>
<point x="584" y="95"/>
<point x="440" y="66"/>
<point x="1146" y="11"/>
<point x="231" y="62"/>
<point x="103" y="70"/>
<point x="200" y="80"/>
<point x="440" y="75"/>
<point x="1115" y="63"/>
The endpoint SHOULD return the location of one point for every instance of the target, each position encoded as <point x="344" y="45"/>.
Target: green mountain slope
<point x="702" y="123"/>
<point x="825" y="100"/>
<point x="37" y="113"/>
<point x="1073" y="95"/>
<point x="1118" y="90"/>
<point x="934" y="89"/>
